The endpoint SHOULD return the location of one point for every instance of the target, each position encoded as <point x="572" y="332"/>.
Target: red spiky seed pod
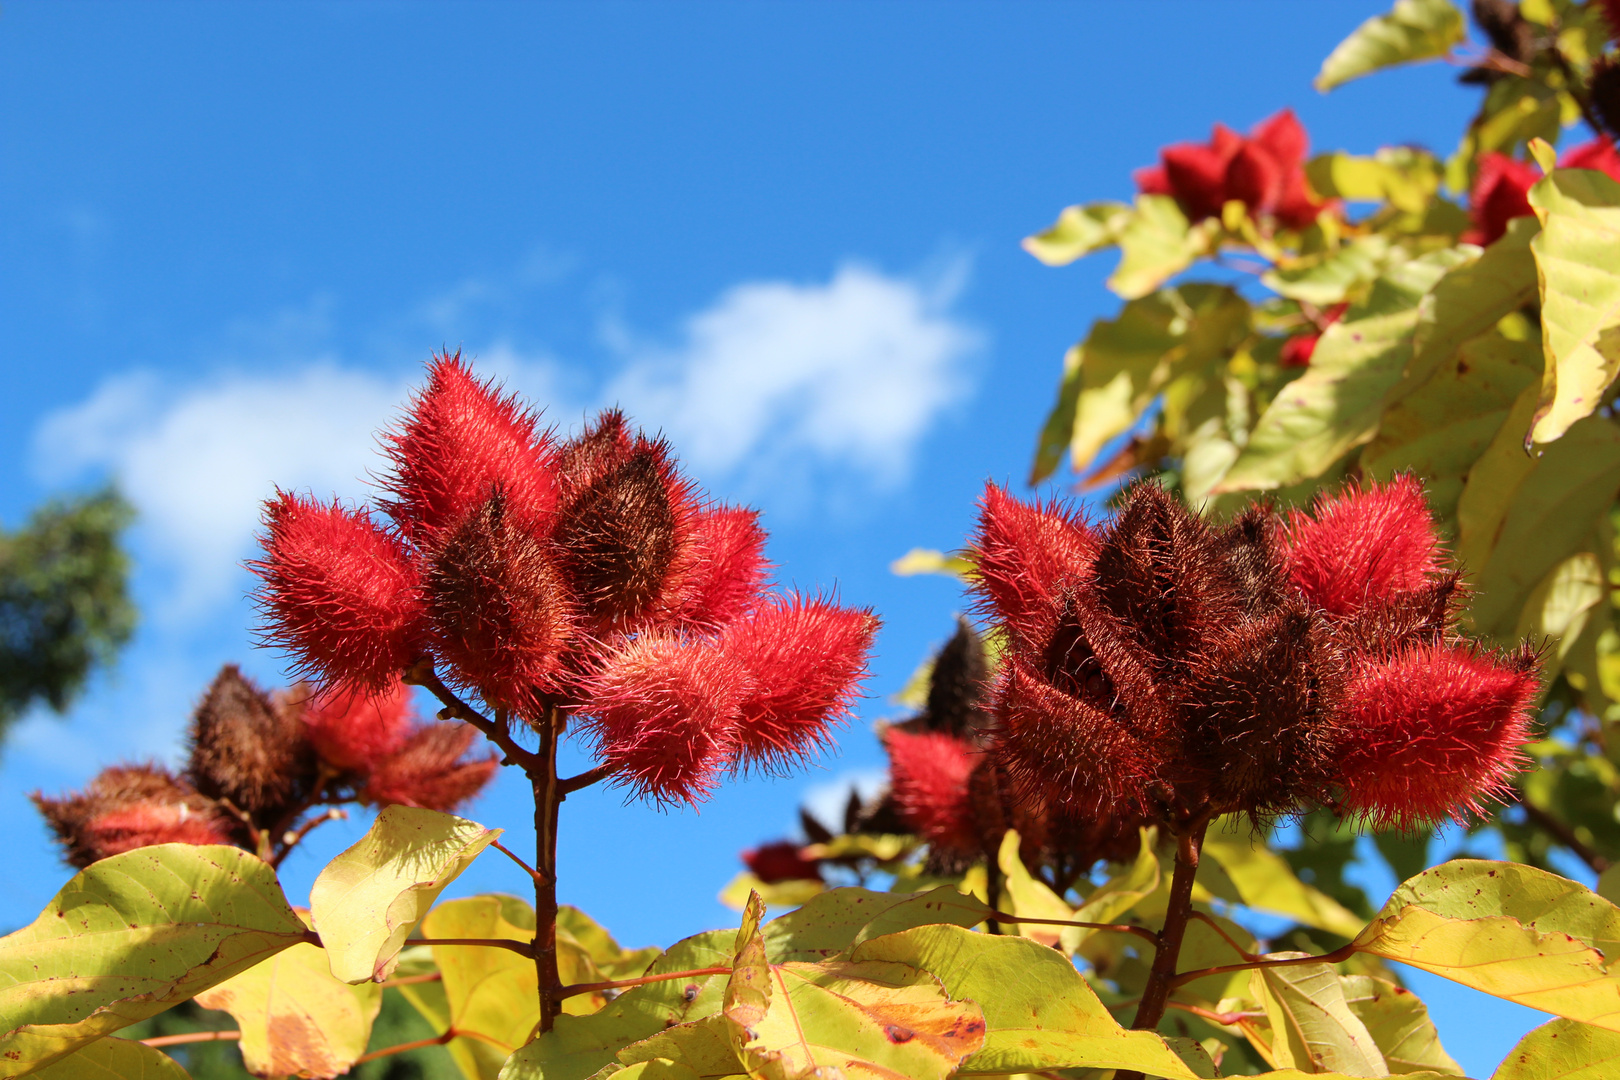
<point x="340" y="594"/>
<point x="781" y="861"/>
<point x="727" y="568"/>
<point x="500" y="612"/>
<point x="804" y="660"/>
<point x="928" y="780"/>
<point x="248" y="748"/>
<point x="1434" y="733"/>
<point x="604" y="445"/>
<point x="1363" y="546"/>
<point x="664" y="713"/>
<point x="129" y="806"/>
<point x="430" y="770"/>
<point x="460" y="443"/>
<point x="353" y="731"/>
<point x="1025" y="555"/>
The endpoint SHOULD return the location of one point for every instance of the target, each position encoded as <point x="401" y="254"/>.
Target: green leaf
<point x="1563" y="1050"/>
<point x="1510" y="930"/>
<point x="295" y="1018"/>
<point x="1023" y="895"/>
<point x="1060" y="422"/>
<point x="1312" y="1025"/>
<point x="612" y="960"/>
<point x="1580" y="294"/>
<point x="1406" y="178"/>
<point x="492" y="995"/>
<point x="1156" y="244"/>
<point x="114" y="1059"/>
<point x="1039" y="1014"/>
<point x="790" y="893"/>
<point x="656" y="1069"/>
<point x="1326" y="278"/>
<point x="1472" y="298"/>
<point x="1558" y="607"/>
<point x="1413" y="30"/>
<point x="1336" y="405"/>
<point x="1079" y="230"/>
<point x="1266" y="882"/>
<point x="703" y="1046"/>
<point x="1520" y="516"/>
<point x="130" y="936"/>
<point x="927" y="561"/>
<point x="367" y="900"/>
<point x="1399" y="1024"/>
<point x="840" y="918"/>
<point x="1115" y="897"/>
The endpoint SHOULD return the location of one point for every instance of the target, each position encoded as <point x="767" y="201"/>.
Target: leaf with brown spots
<point x="129" y="937"/>
<point x="114" y="1059"/>
<point x="1562" y="1050"/>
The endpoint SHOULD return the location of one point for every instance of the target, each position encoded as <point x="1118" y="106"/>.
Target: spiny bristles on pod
<point x="664" y="714"/>
<point x="353" y="731"/>
<point x="500" y="612"/>
<point x="430" y="770"/>
<point x="604" y="445"/>
<point x="1025" y="554"/>
<point x="1434" y="733"/>
<point x="247" y="748"/>
<point x="727" y="569"/>
<point x="804" y="660"/>
<point x="957" y="685"/>
<point x="622" y="539"/>
<point x="1363" y="546"/>
<point x="340" y="594"/>
<point x="129" y="806"/>
<point x="928" y="780"/>
<point x="460" y="442"/>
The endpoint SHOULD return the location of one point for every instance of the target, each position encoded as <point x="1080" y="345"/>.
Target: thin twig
<point x="255" y="834"/>
<point x="192" y="1037"/>
<point x="290" y="840"/>
<point x="585" y="779"/>
<point x="1215" y="926"/>
<point x="1229" y="1019"/>
<point x="510" y="854"/>
<point x="625" y="984"/>
<point x="388" y="1051"/>
<point x="1117" y="928"/>
<point x="422" y="674"/>
<point x="1564" y="835"/>
<point x="522" y="948"/>
<point x="412" y="980"/>
<point x="1337" y="956"/>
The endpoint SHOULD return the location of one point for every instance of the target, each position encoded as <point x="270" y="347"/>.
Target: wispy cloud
<point x="773" y="379"/>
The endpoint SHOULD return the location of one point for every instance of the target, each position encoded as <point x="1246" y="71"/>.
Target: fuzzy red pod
<point x="664" y="713"/>
<point x="1363" y="546"/>
<point x="354" y="731"/>
<point x="1434" y="733"/>
<point x="501" y="614"/>
<point x="781" y="861"/>
<point x="1611" y="15"/>
<point x="461" y="442"/>
<point x="804" y="660"/>
<point x="430" y="770"/>
<point x="1501" y="192"/>
<point x="929" y="775"/>
<point x="1025" y="555"/>
<point x="727" y="568"/>
<point x="339" y="593"/>
<point x="1264" y="170"/>
<point x="146" y="823"/>
<point x="1599" y="154"/>
<point x="129" y="806"/>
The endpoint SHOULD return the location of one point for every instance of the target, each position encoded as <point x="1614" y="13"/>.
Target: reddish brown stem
<point x="1219" y="929"/>
<point x="192" y="1037"/>
<point x="389" y="1051"/>
<point x="1337" y="956"/>
<point x="546" y="799"/>
<point x="422" y="674"/>
<point x="412" y="980"/>
<point x="625" y="984"/>
<point x="290" y="840"/>
<point x="510" y="854"/>
<point x="1115" y="928"/>
<point x="522" y="948"/>
<point x="585" y="779"/>
<point x="1161" y="979"/>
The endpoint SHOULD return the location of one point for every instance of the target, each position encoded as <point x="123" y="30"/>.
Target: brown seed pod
<point x="246" y="749"/>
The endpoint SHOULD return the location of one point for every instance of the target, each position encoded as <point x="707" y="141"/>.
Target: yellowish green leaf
<point x="114" y="1059"/>
<point x="704" y="1046"/>
<point x="1580" y="294"/>
<point x="1266" y="882"/>
<point x="1406" y="178"/>
<point x="791" y="893"/>
<point x="1326" y="278"/>
<point x="1513" y="931"/>
<point x="1039" y="1014"/>
<point x="1563" y="1050"/>
<point x="1156" y="243"/>
<point x="1413" y="30"/>
<point x="837" y="919"/>
<point x="1471" y="299"/>
<point x="927" y="561"/>
<point x="656" y="1069"/>
<point x="1023" y="895"/>
<point x="1079" y="230"/>
<point x="1115" y="898"/>
<point x="1336" y="405"/>
<point x="295" y="1018"/>
<point x="1399" y="1024"/>
<point x="367" y="900"/>
<point x="1558" y="607"/>
<point x="491" y="994"/>
<point x="883" y="847"/>
<point x="612" y="960"/>
<point x="1059" y="427"/>
<point x="130" y="936"/>
<point x="1312" y="1025"/>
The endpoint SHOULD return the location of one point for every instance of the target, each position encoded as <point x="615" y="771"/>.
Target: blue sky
<point x="786" y="234"/>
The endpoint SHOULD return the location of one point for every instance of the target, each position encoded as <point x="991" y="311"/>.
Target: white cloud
<point x="197" y="465"/>
<point x="850" y="373"/>
<point x="772" y="379"/>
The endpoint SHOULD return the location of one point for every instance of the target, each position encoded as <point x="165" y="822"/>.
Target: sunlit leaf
<point x="295" y="1018"/>
<point x="926" y="561"/>
<point x="704" y="1046"/>
<point x="1266" y="882"/>
<point x="1513" y="931"/>
<point x="1023" y="895"/>
<point x="492" y="995"/>
<point x="1312" y="1025"/>
<point x="1558" y="607"/>
<point x="1472" y="298"/>
<point x="1404" y="177"/>
<point x="1114" y="898"/>
<point x="367" y="900"/>
<point x="1335" y="406"/>
<point x="1399" y="1024"/>
<point x="1413" y="30"/>
<point x="130" y="936"/>
<point x="1079" y="230"/>
<point x="834" y="921"/>
<point x="1563" y="1050"/>
<point x="114" y="1059"/>
<point x="1580" y="294"/>
<point x="1326" y="278"/>
<point x="1156" y="243"/>
<point x="612" y="960"/>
